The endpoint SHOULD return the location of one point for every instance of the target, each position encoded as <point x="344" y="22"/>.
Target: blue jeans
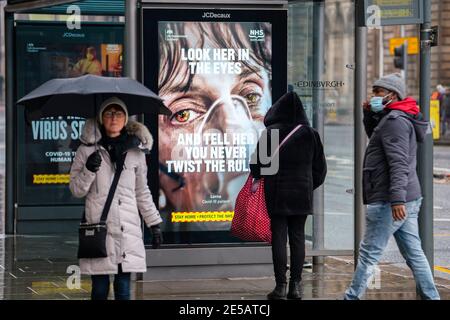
<point x="100" y="286"/>
<point x="379" y="227"/>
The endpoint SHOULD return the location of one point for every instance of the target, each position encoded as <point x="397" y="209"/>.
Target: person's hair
<point x="219" y="35"/>
<point x="91" y="50"/>
<point x="376" y="89"/>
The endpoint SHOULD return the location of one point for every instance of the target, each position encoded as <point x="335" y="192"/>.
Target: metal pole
<point x="404" y="72"/>
<point x="359" y="134"/>
<point x="381" y="52"/>
<point x="402" y="34"/>
<point x="425" y="150"/>
<point x="131" y="52"/>
<point x="131" y="46"/>
<point x="405" y="61"/>
<point x="318" y="56"/>
<point x="10" y="125"/>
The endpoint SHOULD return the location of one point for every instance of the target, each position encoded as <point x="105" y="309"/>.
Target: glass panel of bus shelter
<point x="300" y="45"/>
<point x="338" y="115"/>
<point x="328" y="97"/>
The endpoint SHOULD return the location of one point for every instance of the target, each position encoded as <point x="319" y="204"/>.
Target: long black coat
<point x="302" y="164"/>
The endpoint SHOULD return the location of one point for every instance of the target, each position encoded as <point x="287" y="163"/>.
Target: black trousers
<point x="282" y="226"/>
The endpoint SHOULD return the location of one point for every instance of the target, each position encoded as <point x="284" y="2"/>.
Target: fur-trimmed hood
<point x="91" y="133"/>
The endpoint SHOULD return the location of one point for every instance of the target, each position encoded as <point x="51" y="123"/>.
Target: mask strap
<point x="385" y="104"/>
<point x="216" y="103"/>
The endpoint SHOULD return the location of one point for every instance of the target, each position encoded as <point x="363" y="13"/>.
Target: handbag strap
<point x="111" y="192"/>
<point x="286" y="139"/>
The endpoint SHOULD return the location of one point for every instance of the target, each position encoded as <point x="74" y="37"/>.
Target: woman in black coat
<point x="289" y="191"/>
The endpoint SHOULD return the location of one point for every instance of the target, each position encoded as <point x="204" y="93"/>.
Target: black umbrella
<point x="83" y="95"/>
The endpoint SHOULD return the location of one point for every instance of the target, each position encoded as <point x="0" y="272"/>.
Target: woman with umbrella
<point x="109" y="169"/>
<point x="108" y="142"/>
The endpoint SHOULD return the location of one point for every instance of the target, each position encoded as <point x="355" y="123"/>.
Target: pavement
<point x="41" y="268"/>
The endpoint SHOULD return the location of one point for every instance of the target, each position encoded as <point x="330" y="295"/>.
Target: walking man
<point x="391" y="186"/>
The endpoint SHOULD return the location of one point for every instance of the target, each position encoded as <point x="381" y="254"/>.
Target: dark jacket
<point x="389" y="172"/>
<point x="302" y="164"/>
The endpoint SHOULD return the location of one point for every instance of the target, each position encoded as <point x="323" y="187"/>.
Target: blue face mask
<point x="376" y="103"/>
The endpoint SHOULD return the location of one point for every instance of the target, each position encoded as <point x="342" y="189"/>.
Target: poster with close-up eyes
<point x="217" y="79"/>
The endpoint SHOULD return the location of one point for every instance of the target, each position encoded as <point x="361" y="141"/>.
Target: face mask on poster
<point x="238" y="115"/>
<point x="230" y="115"/>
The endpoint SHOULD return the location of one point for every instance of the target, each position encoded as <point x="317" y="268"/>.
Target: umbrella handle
<point x="97" y="98"/>
<point x="96" y="180"/>
<point x="96" y="183"/>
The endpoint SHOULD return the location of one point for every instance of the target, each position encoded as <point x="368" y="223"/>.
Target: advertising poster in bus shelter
<point x="46" y="147"/>
<point x="216" y="78"/>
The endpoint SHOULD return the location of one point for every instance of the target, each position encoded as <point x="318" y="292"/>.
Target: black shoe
<point x="279" y="293"/>
<point x="295" y="290"/>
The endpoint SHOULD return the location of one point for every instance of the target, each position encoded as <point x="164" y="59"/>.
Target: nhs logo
<point x="169" y="35"/>
<point x="256" y="35"/>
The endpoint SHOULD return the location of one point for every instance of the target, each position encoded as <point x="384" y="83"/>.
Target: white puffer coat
<point x="124" y="241"/>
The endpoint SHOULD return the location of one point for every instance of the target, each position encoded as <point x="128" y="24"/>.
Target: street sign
<point x="375" y="13"/>
<point x="413" y="44"/>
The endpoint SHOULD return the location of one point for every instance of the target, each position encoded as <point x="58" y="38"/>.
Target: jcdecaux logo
<point x="216" y="15"/>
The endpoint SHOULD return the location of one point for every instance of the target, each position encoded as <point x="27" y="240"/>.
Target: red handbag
<point x="251" y="220"/>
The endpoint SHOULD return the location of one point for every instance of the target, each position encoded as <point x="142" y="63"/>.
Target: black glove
<point x="94" y="161"/>
<point x="156" y="237"/>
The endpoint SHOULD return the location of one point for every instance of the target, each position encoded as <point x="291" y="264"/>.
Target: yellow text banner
<point x="208" y="216"/>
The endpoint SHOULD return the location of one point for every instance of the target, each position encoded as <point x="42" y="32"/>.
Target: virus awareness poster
<point x="46" y="147"/>
<point x="216" y="78"/>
